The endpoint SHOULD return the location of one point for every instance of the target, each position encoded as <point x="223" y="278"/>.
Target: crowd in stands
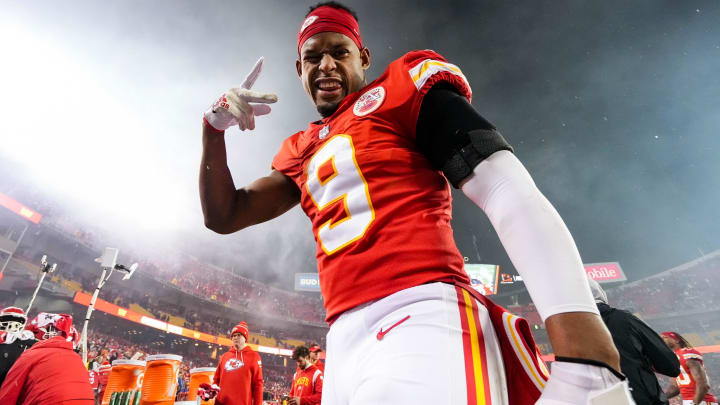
<point x="188" y="274"/>
<point x="192" y="315"/>
<point x="528" y="312"/>
<point x="686" y="289"/>
<point x="219" y="285"/>
<point x="682" y="290"/>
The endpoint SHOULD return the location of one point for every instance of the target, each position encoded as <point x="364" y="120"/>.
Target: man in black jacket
<point x="642" y="350"/>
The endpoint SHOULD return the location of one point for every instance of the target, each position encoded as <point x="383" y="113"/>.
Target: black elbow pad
<point x="459" y="162"/>
<point x="453" y="136"/>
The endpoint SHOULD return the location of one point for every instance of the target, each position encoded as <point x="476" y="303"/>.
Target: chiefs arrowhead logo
<point x="370" y="101"/>
<point x="233" y="364"/>
<point x="307" y="22"/>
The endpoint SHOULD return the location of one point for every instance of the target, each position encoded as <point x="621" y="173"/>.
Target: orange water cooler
<point x="198" y="376"/>
<point x="161" y="379"/>
<point x="125" y="375"/>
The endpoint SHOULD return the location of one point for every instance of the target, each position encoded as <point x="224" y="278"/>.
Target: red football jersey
<point x="94" y="379"/>
<point x="685" y="380"/>
<point x="380" y="213"/>
<point x="307" y="384"/>
<point x="103" y="377"/>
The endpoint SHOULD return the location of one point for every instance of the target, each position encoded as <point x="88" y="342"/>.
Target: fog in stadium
<point x="614" y="108"/>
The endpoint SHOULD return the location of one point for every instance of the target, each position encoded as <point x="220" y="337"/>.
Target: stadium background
<point x="612" y="106"/>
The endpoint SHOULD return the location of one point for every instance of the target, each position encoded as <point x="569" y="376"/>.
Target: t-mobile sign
<point x="605" y="272"/>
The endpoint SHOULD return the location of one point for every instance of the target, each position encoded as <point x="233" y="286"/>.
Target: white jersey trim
<point x="538" y="376"/>
<point x="428" y="67"/>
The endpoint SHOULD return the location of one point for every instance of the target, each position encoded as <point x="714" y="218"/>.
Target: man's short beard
<point x="327" y="110"/>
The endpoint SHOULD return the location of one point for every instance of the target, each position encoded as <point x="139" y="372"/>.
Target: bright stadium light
<point x="46" y="268"/>
<point x="128" y="270"/>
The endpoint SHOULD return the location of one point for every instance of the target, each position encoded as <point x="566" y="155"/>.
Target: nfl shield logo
<point x="370" y="101"/>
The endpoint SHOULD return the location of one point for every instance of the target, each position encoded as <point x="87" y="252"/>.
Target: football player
<point x="307" y="381"/>
<point x="372" y="175"/>
<point x="692" y="384"/>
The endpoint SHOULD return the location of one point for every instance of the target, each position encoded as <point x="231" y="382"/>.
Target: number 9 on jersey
<point x="333" y="175"/>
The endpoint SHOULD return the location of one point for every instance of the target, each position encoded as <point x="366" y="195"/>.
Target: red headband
<point x="672" y="335"/>
<point x="329" y="19"/>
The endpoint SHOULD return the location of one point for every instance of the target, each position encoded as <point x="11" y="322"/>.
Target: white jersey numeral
<point x="333" y="175"/>
<point x="683" y="378"/>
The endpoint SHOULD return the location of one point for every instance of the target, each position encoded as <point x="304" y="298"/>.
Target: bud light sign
<point x="605" y="272"/>
<point x="307" y="282"/>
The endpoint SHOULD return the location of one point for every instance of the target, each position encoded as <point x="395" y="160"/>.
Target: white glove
<point x="234" y="108"/>
<point x="207" y="391"/>
<point x="584" y="384"/>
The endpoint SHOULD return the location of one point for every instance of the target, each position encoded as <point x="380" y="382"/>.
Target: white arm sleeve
<point x="533" y="234"/>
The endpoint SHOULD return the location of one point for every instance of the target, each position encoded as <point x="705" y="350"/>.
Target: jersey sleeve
<point x="318" y="384"/>
<point x="692" y="355"/>
<point x="426" y="68"/>
<point x="287" y="159"/>
<point x="413" y="75"/>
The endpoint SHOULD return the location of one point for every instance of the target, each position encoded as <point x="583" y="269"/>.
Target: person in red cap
<point x="692" y="383"/>
<point x="50" y="372"/>
<point x="315" y="351"/>
<point x="238" y="377"/>
<point x="372" y="175"/>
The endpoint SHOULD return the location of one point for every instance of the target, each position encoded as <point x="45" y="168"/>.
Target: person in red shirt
<point x="373" y="176"/>
<point x="103" y="373"/>
<point x="238" y="377"/>
<point x="692" y="384"/>
<point x="50" y="372"/>
<point x="94" y="379"/>
<point x="315" y="351"/>
<point x="307" y="381"/>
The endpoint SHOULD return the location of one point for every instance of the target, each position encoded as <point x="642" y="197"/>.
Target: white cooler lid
<point x="128" y="362"/>
<point x="164" y="357"/>
<point x="202" y="370"/>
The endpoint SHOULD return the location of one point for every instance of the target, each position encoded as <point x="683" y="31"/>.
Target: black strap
<point x="617" y="374"/>
<point x="453" y="136"/>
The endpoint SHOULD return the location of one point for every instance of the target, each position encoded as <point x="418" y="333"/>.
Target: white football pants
<point x="409" y="348"/>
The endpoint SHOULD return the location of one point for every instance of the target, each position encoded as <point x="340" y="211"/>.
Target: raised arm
<point x="227" y="209"/>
